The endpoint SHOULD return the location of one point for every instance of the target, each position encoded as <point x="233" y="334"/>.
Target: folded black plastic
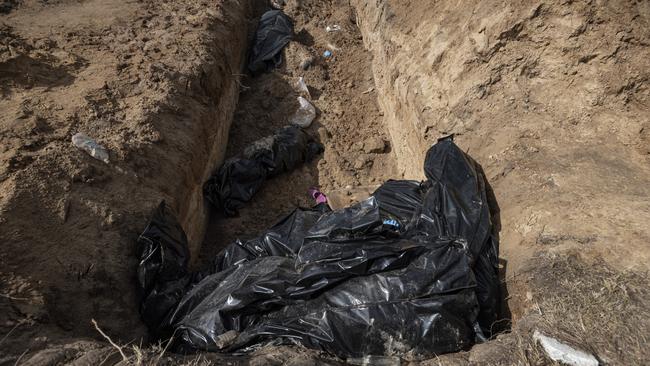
<point x="238" y="179"/>
<point x="409" y="272"/>
<point x="457" y="206"/>
<point x="274" y="31"/>
<point x="162" y="272"/>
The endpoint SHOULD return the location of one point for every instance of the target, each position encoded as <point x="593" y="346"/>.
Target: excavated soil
<point x="551" y="99"/>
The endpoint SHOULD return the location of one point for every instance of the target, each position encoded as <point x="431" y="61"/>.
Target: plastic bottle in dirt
<point x="304" y="115"/>
<point x="90" y="146"/>
<point x="302" y="88"/>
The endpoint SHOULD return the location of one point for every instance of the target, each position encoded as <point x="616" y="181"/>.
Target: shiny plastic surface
<point x="238" y="179"/>
<point x="274" y="31"/>
<point x="410" y="272"/>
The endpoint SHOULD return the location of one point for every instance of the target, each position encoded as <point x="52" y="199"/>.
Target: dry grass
<point x="589" y="306"/>
<point x="152" y="355"/>
<point x="158" y="355"/>
<point x="593" y="307"/>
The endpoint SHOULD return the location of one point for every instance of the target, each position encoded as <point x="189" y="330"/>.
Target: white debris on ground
<point x="304" y="115"/>
<point x="302" y="88"/>
<point x="563" y="353"/>
<point x="90" y="146"/>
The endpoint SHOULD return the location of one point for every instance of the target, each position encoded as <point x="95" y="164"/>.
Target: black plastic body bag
<point x="274" y="31"/>
<point x="238" y="179"/>
<point x="409" y="272"/>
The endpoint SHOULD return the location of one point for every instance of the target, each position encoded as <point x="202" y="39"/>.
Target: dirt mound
<point x="148" y="81"/>
<point x="551" y="99"/>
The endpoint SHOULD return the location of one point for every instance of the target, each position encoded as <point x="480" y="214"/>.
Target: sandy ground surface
<point x="154" y="84"/>
<point x="552" y="99"/>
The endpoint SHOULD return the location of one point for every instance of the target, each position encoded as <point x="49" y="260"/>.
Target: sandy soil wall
<point x="551" y="98"/>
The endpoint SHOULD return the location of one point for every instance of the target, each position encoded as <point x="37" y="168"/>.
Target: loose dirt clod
<point x="374" y="145"/>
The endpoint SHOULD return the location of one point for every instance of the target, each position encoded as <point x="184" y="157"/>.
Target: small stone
<point x="84" y="174"/>
<point x="323" y="135"/>
<point x="63" y="209"/>
<point x="45" y="44"/>
<point x="360" y="162"/>
<point x="338" y="111"/>
<point x="277" y="4"/>
<point x="110" y="219"/>
<point x="226" y="339"/>
<point x="374" y="145"/>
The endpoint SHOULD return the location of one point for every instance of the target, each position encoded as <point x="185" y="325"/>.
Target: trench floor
<point x="348" y="122"/>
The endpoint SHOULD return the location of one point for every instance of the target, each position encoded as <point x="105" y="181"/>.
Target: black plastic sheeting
<point x="274" y="31"/>
<point x="238" y="179"/>
<point x="409" y="272"/>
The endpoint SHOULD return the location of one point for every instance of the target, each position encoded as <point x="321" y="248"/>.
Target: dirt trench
<point x="358" y="155"/>
<point x="551" y="99"/>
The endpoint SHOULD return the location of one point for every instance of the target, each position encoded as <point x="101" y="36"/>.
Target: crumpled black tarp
<point x="274" y="31"/>
<point x="409" y="272"/>
<point x="238" y="179"/>
<point x="162" y="273"/>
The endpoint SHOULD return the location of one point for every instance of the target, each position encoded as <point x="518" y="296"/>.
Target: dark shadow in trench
<point x="504" y="318"/>
<point x="266" y="103"/>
